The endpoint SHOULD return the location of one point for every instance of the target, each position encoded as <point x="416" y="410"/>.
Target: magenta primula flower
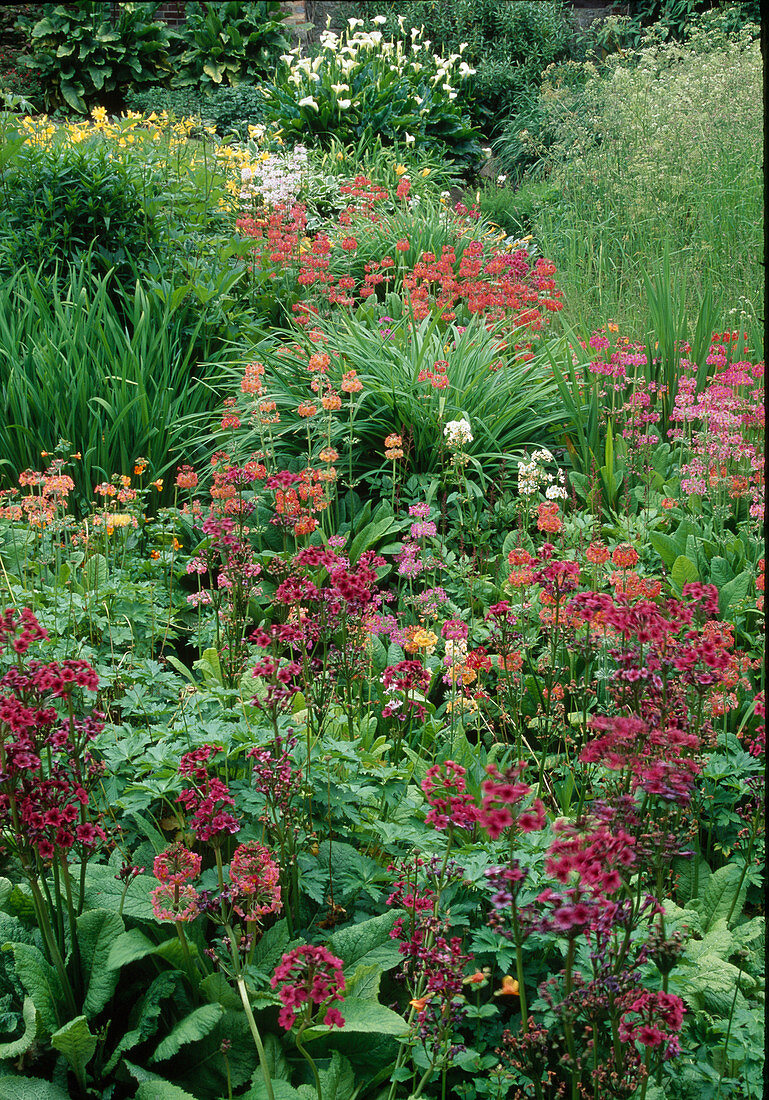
<point x="311" y="975"/>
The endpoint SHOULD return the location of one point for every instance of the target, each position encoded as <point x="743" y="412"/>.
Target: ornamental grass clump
<point x="653" y="147"/>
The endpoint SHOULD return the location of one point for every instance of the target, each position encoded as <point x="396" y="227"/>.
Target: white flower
<point x="554" y="492"/>
<point x="379" y="19"/>
<point x="344" y="103"/>
<point x="308" y="101"/>
<point x="340" y="88"/>
<point x="458" y="432"/>
<point x="353" y="23"/>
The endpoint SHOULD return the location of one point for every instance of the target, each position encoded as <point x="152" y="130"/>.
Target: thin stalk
<point x="256" y="1037"/>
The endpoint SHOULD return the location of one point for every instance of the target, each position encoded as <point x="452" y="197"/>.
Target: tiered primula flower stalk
<point x="48" y="773"/>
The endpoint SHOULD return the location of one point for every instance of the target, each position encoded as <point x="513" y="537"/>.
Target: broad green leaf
<point x="688" y="917"/>
<point x="717" y="941"/>
<point x="271" y="947"/>
<point x="216" y="989"/>
<point x="733" y="592"/>
<point x="338" y="1081"/>
<point x="720" y="571"/>
<point x="666" y="546"/>
<point x="103" y="891"/>
<point x="684" y="571"/>
<point x="154" y="1087"/>
<point x="97" y="930"/>
<point x="281" y="1090"/>
<point x="368" y="941"/>
<point x="210" y="667"/>
<point x="161" y="1090"/>
<point x="685" y="885"/>
<point x="720" y="899"/>
<point x="147" y="1018"/>
<point x="365" y="1016"/>
<point x="19" y="903"/>
<point x="189" y="1030"/>
<point x="24" y="1042"/>
<point x="128" y="947"/>
<point x="77" y="1044"/>
<point x="215" y="73"/>
<point x="73" y="97"/>
<point x="363" y="983"/>
<point x="30" y="1088"/>
<point x="41" y="982"/>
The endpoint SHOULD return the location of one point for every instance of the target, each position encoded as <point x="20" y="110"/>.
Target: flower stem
<point x="256" y="1037"/>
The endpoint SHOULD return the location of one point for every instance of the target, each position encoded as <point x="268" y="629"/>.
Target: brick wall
<point x="171" y="12"/>
<point x="295" y="13"/>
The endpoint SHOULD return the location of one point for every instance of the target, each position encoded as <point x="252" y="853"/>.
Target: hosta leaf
<point x="73" y="98"/>
<point x="189" y="1030"/>
<point x="96" y="931"/>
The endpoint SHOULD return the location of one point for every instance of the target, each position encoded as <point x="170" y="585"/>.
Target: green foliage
<point x="509" y="407"/>
<point x="229" y="109"/>
<point x="513" y="210"/>
<point x="129" y="373"/>
<point x="75" y="1041"/>
<point x="85" y="59"/>
<point x="508" y="45"/>
<point x="228" y="41"/>
<point x="645" y="153"/>
<point x="360" y="87"/>
<point x="69" y="200"/>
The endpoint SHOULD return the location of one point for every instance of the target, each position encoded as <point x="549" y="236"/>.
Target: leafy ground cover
<point x="387" y="719"/>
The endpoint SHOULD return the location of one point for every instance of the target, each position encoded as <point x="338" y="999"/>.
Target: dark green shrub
<point x="229" y="41"/>
<point x="85" y="59"/>
<point x="230" y="110"/>
<point x="68" y="200"/>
